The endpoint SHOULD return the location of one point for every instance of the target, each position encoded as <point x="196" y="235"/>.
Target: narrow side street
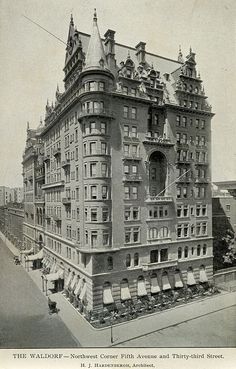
<point x="25" y="321"/>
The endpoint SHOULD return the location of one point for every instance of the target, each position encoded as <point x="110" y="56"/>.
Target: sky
<point x="32" y="61"/>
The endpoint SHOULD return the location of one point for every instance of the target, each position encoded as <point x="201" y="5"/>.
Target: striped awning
<point x="107" y="295"/>
<point x="37" y="256"/>
<point x="165" y="283"/>
<point x="124" y="292"/>
<point x="68" y="280"/>
<point x="190" y="278"/>
<point x="78" y="287"/>
<point x="53" y="267"/>
<point x="203" y="277"/>
<point x="178" y="281"/>
<point x="83" y="292"/>
<point x="154" y="285"/>
<point x="55" y="276"/>
<point x="73" y="282"/>
<point x="141" y="288"/>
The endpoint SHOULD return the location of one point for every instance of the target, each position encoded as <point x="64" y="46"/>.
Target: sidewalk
<point x="91" y="337"/>
<point x="11" y="247"/>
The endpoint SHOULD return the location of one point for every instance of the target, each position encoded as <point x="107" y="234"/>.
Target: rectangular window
<point x="104" y="169"/>
<point x="103" y="128"/>
<point x="133" y="91"/>
<point x="185" y="192"/>
<point x="92" y="127"/>
<point x="92" y="146"/>
<point x="179" y="230"/>
<point x="127" y="192"/>
<point x="105" y="215"/>
<point x="125" y="112"/>
<point x="93" y="192"/>
<point x="125" y="90"/>
<point x="127" y="214"/>
<point x="126" y="131"/>
<point x="178" y="120"/>
<point x="126" y="149"/>
<point x="134" y="131"/>
<point x="197" y="123"/>
<point x="101" y="86"/>
<point x="134" y="169"/>
<point x="94" y="238"/>
<point x="94" y="215"/>
<point x="203" y="124"/>
<point x="134" y="192"/>
<point x="133" y="113"/>
<point x="126" y="169"/>
<point x="127" y="235"/>
<point x="134" y="150"/>
<point x="164" y="255"/>
<point x="103" y="148"/>
<point x="135" y="213"/>
<point x="104" y="192"/>
<point x="93" y="169"/>
<point x="179" y="211"/>
<point x="184" y="122"/>
<point x="136" y="232"/>
<point x="105" y="238"/>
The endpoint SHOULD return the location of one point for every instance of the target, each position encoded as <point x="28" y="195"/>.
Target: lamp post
<point x="111" y="321"/>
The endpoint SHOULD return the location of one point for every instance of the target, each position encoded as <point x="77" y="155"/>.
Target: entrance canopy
<point x="73" y="282"/>
<point x="68" y="280"/>
<point x="83" y="292"/>
<point x="37" y="256"/>
<point x="27" y="252"/>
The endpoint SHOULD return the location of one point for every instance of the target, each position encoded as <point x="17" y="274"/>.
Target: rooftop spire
<point x="95" y="57"/>
<point x="180" y="56"/>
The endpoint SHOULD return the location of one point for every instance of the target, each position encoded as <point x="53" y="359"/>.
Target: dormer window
<point x="152" y="83"/>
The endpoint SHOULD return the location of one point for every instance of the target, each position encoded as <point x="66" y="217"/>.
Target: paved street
<point x="212" y="330"/>
<point x="24" y="318"/>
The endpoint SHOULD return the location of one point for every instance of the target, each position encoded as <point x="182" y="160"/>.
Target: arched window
<point x="153" y="232"/>
<point x="179" y="252"/>
<point x="164" y="232"/>
<point x="198" y="250"/>
<point x="109" y="263"/>
<point x="204" y="249"/>
<point x="128" y="260"/>
<point x="186" y="251"/>
<point x="136" y="259"/>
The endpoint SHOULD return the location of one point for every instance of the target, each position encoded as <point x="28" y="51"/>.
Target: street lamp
<point x="111" y="321"/>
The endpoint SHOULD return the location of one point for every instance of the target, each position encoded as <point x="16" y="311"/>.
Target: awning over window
<point x="190" y="279"/>
<point x="165" y="283"/>
<point x="78" y="287"/>
<point x="37" y="256"/>
<point x="73" y="282"/>
<point x="47" y="263"/>
<point x="142" y="288"/>
<point x="178" y="281"/>
<point x="44" y="260"/>
<point x="55" y="276"/>
<point x="53" y="267"/>
<point x="68" y="280"/>
<point x="83" y="292"/>
<point x="154" y="285"/>
<point x="107" y="295"/>
<point x="27" y="252"/>
<point x="124" y="292"/>
<point x="203" y="277"/>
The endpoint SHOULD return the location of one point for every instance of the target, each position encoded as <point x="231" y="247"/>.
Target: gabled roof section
<point x="95" y="57"/>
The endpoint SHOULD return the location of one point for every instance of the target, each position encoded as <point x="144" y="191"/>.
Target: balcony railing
<point x="95" y="111"/>
<point x="56" y="217"/>
<point x="132" y="178"/>
<point x="129" y="156"/>
<point x="159" y="265"/>
<point x="53" y="184"/>
<point x="66" y="200"/>
<point x="159" y="140"/>
<point x="65" y="163"/>
<point x="155" y="199"/>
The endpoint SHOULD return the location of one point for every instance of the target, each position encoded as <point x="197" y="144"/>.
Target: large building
<point x="127" y="155"/>
<point x="10" y="195"/>
<point x="11" y="223"/>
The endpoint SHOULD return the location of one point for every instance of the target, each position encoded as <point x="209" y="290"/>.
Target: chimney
<point x="140" y="52"/>
<point x="110" y="48"/>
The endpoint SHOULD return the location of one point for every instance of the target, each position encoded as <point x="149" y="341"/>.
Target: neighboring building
<point x="224" y="222"/>
<point x="10" y="195"/>
<point x="33" y="177"/>
<point x="127" y="173"/>
<point x="11" y="223"/>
